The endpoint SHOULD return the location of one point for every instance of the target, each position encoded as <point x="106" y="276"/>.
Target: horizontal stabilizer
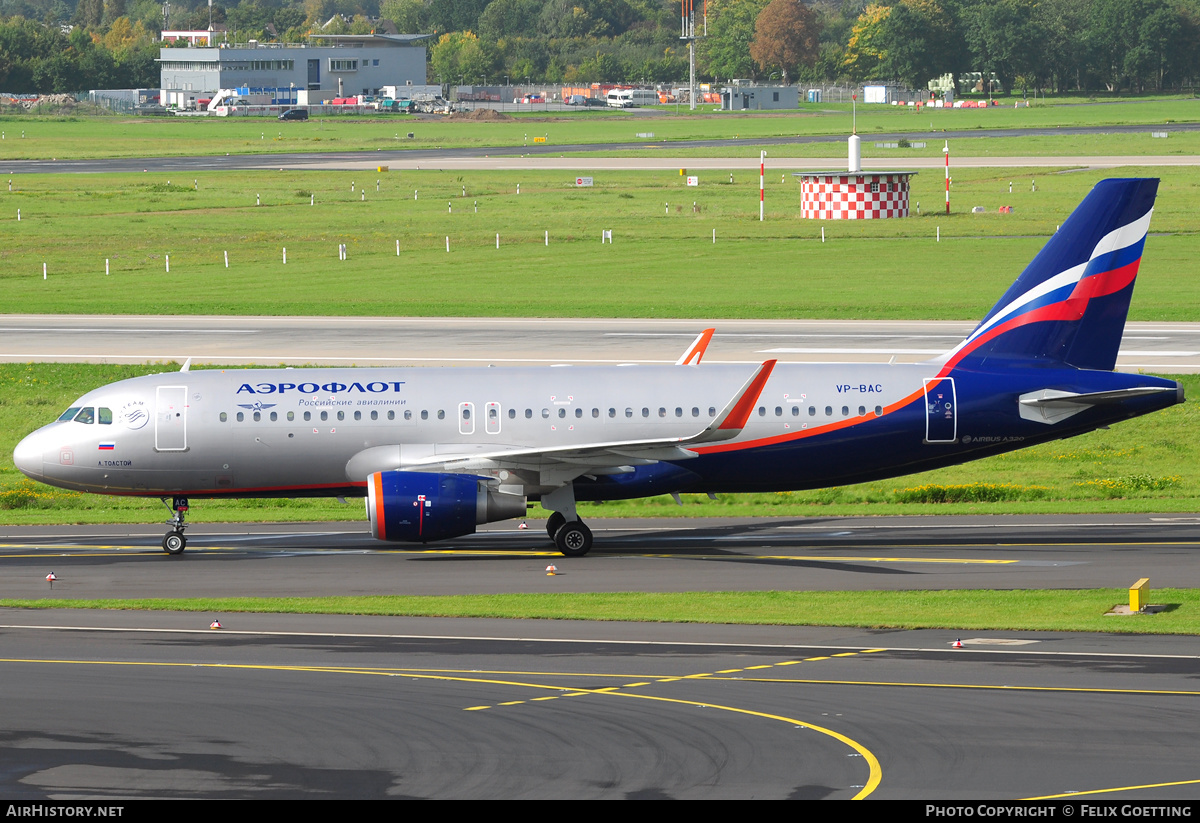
<point x="1052" y="405"/>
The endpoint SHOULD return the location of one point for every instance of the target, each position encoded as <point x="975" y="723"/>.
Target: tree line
<point x="1059" y="45"/>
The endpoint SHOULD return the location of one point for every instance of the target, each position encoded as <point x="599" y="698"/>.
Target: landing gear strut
<point x="570" y="535"/>
<point x="175" y="542"/>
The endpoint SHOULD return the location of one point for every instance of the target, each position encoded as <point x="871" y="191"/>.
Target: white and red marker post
<point x="762" y="176"/>
<point x="946" y="151"/>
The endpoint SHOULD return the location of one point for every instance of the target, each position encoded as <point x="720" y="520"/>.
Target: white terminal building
<point x="853" y="194"/>
<point x="328" y="66"/>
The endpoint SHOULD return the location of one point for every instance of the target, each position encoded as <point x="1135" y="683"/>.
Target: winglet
<point x="694" y="352"/>
<point x="187" y="365"/>
<point x="732" y="419"/>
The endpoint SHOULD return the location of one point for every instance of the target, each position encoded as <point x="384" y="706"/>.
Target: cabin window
<point x="291" y="416"/>
<point x="374" y="414"/>
<point x="528" y="413"/>
<point x="662" y="412"/>
<point x="307" y="416"/>
<point x="392" y="414"/>
<point x="678" y="411"/>
<point x="712" y="411"/>
<point x="424" y="414"/>
<point x="595" y="413"/>
<point x="224" y="417"/>
<point x="562" y="413"/>
<point x="493" y="413"/>
<point x="466" y="413"/>
<point x="578" y="413"/>
<point x="324" y="415"/>
<point x="812" y="411"/>
<point x="341" y="415"/>
<point x="878" y="411"/>
<point x="862" y="410"/>
<point x="512" y="414"/>
<point x="845" y="411"/>
<point x="358" y="415"/>
<point x="779" y="411"/>
<point x="274" y="417"/>
<point x="629" y="412"/>
<point x="829" y="411"/>
<point x="612" y="412"/>
<point x="545" y="414"/>
<point x="762" y="411"/>
<point x="441" y="414"/>
<point x="240" y="417"/>
<point x="645" y="412"/>
<point x="795" y="411"/>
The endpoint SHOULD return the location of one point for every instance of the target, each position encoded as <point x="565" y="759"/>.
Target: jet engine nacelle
<point x="417" y="507"/>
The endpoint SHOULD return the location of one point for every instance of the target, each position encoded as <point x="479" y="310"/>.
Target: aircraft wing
<point x="590" y="458"/>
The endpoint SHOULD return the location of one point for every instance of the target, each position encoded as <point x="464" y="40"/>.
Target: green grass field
<point x="90" y="137"/>
<point x="1038" y="610"/>
<point x="663" y="261"/>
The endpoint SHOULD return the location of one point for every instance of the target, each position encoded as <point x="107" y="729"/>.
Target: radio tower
<point x="688" y="34"/>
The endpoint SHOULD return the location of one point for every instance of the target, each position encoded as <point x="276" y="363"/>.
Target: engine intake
<point x="417" y="507"/>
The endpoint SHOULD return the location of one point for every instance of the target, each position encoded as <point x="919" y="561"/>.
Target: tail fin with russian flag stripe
<point x="1069" y="305"/>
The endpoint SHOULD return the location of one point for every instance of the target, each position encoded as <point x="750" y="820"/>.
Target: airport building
<point x="741" y="97"/>
<point x="337" y="65"/>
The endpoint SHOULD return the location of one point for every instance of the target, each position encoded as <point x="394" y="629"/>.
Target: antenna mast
<point x="687" y="33"/>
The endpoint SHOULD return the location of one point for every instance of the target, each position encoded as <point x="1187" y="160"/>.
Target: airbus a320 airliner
<point x="437" y="451"/>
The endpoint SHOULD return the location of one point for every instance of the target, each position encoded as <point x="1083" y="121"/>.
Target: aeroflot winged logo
<point x="374" y="387"/>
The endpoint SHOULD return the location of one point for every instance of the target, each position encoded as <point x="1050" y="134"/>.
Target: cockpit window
<point x="70" y="413"/>
<point x="86" y="415"/>
<point x="105" y="416"/>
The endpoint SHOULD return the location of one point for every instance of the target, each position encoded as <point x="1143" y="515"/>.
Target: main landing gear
<point x="570" y="536"/>
<point x="175" y="542"/>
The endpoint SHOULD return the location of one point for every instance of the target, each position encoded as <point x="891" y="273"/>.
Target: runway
<point x="140" y="704"/>
<point x="668" y="554"/>
<point x="614" y="156"/>
<point x="386" y="341"/>
<point x="124" y="705"/>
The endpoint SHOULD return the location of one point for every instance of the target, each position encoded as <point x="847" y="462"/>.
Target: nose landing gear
<point x="175" y="542"/>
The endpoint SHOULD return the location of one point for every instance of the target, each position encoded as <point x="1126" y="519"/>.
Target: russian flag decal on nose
<point x="107" y="447"/>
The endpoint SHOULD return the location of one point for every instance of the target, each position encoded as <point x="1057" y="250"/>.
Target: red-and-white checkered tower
<point x="854" y="194"/>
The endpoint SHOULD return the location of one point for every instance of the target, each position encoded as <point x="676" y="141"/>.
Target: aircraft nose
<point x="27" y="457"/>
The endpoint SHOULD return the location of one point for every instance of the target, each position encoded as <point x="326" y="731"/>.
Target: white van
<point x="629" y="98"/>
